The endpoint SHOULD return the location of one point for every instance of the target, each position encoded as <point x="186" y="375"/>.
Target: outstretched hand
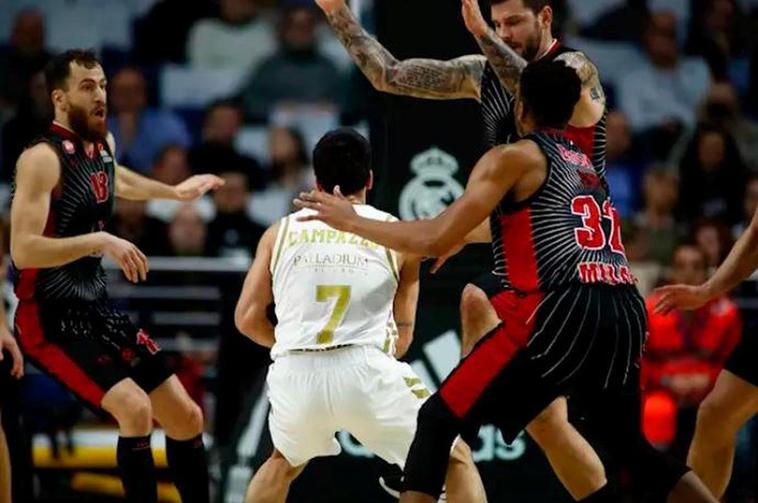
<point x="335" y="210"/>
<point x="473" y="18"/>
<point x="680" y="297"/>
<point x="196" y="186"/>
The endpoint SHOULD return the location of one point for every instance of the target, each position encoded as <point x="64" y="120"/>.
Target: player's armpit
<point x="250" y="315"/>
<point x="420" y="78"/>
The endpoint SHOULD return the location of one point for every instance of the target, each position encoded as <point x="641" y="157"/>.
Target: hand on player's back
<point x="473" y="18"/>
<point x="128" y="257"/>
<point x="336" y="210"/>
<point x="680" y="297"/>
<point x="330" y="5"/>
<point x="196" y="186"/>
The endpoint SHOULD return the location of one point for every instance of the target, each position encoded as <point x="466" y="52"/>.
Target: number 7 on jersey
<point x="323" y="294"/>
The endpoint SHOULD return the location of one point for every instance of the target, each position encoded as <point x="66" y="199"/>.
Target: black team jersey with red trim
<point x="500" y="125"/>
<point x="567" y="232"/>
<point x="81" y="203"/>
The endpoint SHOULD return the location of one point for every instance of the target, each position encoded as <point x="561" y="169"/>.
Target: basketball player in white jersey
<point x="345" y="310"/>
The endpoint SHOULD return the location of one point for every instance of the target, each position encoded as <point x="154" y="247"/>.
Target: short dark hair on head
<point x="342" y="157"/>
<point x="534" y="5"/>
<point x="58" y="69"/>
<point x="550" y="90"/>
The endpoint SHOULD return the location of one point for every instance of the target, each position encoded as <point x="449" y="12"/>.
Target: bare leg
<point x="271" y="483"/>
<point x="463" y="483"/>
<point x="574" y="461"/>
<point x="414" y="497"/>
<point x="723" y="412"/>
<point x="691" y="490"/>
<point x="478" y="317"/>
<point x="5" y="469"/>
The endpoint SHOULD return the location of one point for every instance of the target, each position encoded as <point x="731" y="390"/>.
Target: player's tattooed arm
<point x="588" y="74"/>
<point x="506" y="62"/>
<point x="420" y="78"/>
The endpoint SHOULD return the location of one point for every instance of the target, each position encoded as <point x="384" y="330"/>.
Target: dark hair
<point x="58" y="69"/>
<point x="222" y="103"/>
<point x="534" y="5"/>
<point x="342" y="157"/>
<point x="550" y="90"/>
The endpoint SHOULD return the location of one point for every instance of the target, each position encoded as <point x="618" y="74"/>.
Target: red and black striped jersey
<point x="498" y="104"/>
<point x="81" y="203"/>
<point x="566" y="232"/>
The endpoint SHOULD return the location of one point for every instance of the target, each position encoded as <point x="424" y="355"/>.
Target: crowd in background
<point x="218" y="87"/>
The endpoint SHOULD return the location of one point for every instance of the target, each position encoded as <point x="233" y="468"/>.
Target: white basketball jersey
<point x="332" y="288"/>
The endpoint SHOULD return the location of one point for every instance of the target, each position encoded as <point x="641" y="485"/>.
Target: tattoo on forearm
<point x="506" y="62"/>
<point x="422" y="78"/>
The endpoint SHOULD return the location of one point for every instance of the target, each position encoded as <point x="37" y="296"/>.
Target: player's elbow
<point x="20" y="254"/>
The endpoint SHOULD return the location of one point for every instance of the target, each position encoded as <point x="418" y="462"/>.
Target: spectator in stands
<point x="717" y="34"/>
<point x="31" y="119"/>
<point x="290" y="174"/>
<point x="131" y="222"/>
<point x="714" y="238"/>
<point x="281" y="79"/>
<point x="653" y="233"/>
<point x="622" y="168"/>
<point x="663" y="94"/>
<point x="161" y="35"/>
<point x="239" y="38"/>
<point x="22" y="58"/>
<point x="749" y="205"/>
<point x="722" y="108"/>
<point x="187" y="233"/>
<point x="232" y="232"/>
<point x="171" y="167"/>
<point x="685" y="352"/>
<point x="217" y="152"/>
<point x="140" y="131"/>
<point x="624" y="23"/>
<point x="712" y="176"/>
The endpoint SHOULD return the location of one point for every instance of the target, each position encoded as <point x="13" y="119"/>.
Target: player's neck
<point x="548" y="44"/>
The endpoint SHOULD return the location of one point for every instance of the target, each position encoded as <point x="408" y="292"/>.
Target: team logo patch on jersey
<point x="145" y="340"/>
<point x="99" y="183"/>
<point x="433" y="189"/>
<point x="68" y="147"/>
<point x="104" y="155"/>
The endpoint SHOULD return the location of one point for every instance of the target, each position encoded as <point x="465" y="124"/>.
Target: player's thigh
<point x="385" y="419"/>
<point x="301" y="423"/>
<point x="175" y="410"/>
<point x="731" y="402"/>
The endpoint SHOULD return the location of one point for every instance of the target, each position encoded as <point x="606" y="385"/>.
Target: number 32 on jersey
<point x="592" y="236"/>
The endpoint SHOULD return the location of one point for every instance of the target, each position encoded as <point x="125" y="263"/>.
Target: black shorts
<point x="578" y="341"/>
<point x="489" y="283"/>
<point x="743" y="362"/>
<point x="89" y="347"/>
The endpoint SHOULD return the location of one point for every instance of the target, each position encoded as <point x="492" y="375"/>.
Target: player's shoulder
<point x="525" y="150"/>
<point x="40" y="165"/>
<point x="368" y="211"/>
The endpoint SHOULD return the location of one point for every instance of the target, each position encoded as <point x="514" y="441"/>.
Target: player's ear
<point x="546" y="16"/>
<point x="59" y="98"/>
<point x="370" y="183"/>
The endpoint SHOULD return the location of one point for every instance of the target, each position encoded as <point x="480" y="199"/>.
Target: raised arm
<point x="406" y="302"/>
<point x="506" y="62"/>
<point x="250" y="315"/>
<point x="420" y="78"/>
<point x="493" y="176"/>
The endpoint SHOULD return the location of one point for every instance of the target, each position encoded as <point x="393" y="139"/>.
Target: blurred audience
<point x="232" y="233"/>
<point x="24" y="56"/>
<point x="712" y="177"/>
<point x="131" y="222"/>
<point x="161" y="35"/>
<point x="653" y="233"/>
<point x="624" y="23"/>
<point x="187" y="233"/>
<point x="623" y="169"/>
<point x="217" y="153"/>
<point x="240" y="37"/>
<point x="31" y="119"/>
<point x="714" y="238"/>
<point x="290" y="173"/>
<point x="281" y="79"/>
<point x="722" y="108"/>
<point x="662" y="95"/>
<point x="140" y="131"/>
<point x="686" y="350"/>
<point x="717" y="34"/>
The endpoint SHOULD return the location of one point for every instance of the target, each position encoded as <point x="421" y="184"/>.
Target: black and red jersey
<point x="567" y="232"/>
<point x="498" y="106"/>
<point x="81" y="203"/>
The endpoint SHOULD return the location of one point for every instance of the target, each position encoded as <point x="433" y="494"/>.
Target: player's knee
<point x="474" y="302"/>
<point x="548" y="422"/>
<point x="714" y="419"/>
<point x="133" y="412"/>
<point x="281" y="471"/>
<point x="194" y="419"/>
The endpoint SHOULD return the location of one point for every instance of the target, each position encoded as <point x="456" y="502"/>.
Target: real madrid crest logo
<point x="433" y="189"/>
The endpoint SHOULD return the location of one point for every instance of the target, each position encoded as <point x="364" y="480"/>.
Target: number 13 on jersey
<point x="324" y="293"/>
